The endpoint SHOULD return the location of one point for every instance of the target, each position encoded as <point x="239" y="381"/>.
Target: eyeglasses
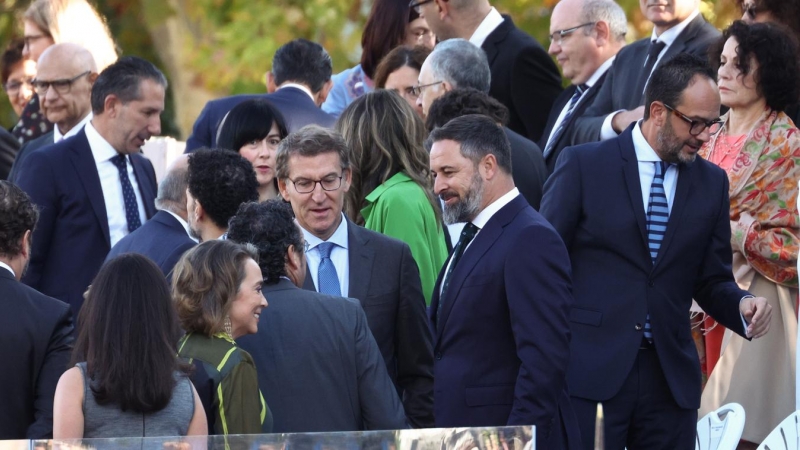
<point x="33" y="38"/>
<point x="559" y="35"/>
<point x="61" y="86"/>
<point x="696" y="126"/>
<point x="417" y="90"/>
<point x="415" y="4"/>
<point x="751" y="10"/>
<point x="305" y="186"/>
<point x="12" y="87"/>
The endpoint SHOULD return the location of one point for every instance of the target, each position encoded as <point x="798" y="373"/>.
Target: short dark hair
<point x="478" y="135"/>
<point x="403" y="56"/>
<point x="270" y="227"/>
<point x="17" y="215"/>
<point x="221" y="180"/>
<point x="11" y="57"/>
<point x="671" y="78"/>
<point x="304" y="62"/>
<point x="463" y="101"/>
<point x="124" y="79"/>
<point x="128" y="333"/>
<point x="310" y="141"/>
<point x="775" y="50"/>
<point x="249" y="121"/>
<point x="385" y="29"/>
<point x="785" y="11"/>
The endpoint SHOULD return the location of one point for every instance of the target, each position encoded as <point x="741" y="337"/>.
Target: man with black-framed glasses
<point x="64" y="79"/>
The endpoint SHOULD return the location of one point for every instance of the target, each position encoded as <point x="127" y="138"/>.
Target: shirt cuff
<point x="607" y="131"/>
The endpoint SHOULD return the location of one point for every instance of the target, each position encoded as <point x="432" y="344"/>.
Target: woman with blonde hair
<point x="392" y="187"/>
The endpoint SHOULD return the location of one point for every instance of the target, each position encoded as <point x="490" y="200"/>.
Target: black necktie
<point x="579" y="90"/>
<point x="652" y="56"/>
<point x="129" y="197"/>
<point x="467" y="234"/>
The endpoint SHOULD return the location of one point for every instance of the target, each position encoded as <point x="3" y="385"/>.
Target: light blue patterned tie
<point x="657" y="218"/>
<point x="326" y="274"/>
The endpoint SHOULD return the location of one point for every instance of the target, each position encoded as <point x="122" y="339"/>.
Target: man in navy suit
<point x="95" y="187"/>
<point x="298" y="84"/>
<point x="647" y="227"/>
<point x="500" y="305"/>
<point x="165" y="237"/>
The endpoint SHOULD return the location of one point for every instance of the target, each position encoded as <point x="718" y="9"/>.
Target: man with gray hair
<point x="585" y="46"/>
<point x="165" y="237"/>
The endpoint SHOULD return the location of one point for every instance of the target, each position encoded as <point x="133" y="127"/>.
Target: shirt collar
<point x="483" y="217"/>
<point x="298" y="86"/>
<point x="339" y="237"/>
<point x="399" y="177"/>
<point x="8" y="268"/>
<point x="669" y="36"/>
<point x="102" y="151"/>
<point x="600" y="71"/>
<point x="644" y="152"/>
<point x="490" y="22"/>
<point x="57" y="136"/>
<point x="180" y="220"/>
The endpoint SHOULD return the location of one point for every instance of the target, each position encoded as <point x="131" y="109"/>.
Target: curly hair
<point x="775" y="50"/>
<point x="221" y="180"/>
<point x="17" y="215"/>
<point x="463" y="101"/>
<point x="787" y="12"/>
<point x="270" y="227"/>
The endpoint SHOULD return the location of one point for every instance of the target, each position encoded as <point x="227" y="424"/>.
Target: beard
<point x="671" y="146"/>
<point x="465" y="209"/>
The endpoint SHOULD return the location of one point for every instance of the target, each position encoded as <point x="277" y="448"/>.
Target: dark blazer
<point x="319" y="367"/>
<point x="617" y="92"/>
<point x="27" y="149"/>
<point x="594" y="200"/>
<point x="527" y="167"/>
<point x="502" y="346"/>
<point x="71" y="239"/>
<point x="9" y="147"/>
<point x="162" y="239"/>
<point x="296" y="106"/>
<point x="36" y="337"/>
<point x="565" y="139"/>
<point x="385" y="279"/>
<point x="524" y="78"/>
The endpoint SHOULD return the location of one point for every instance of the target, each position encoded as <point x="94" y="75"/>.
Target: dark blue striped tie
<point x="657" y="218"/>
<point x="579" y="90"/>
<point x="128" y="196"/>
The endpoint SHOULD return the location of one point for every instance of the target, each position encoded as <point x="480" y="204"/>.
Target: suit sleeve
<point x="38" y="179"/>
<point x="536" y="83"/>
<point x="539" y="288"/>
<point x="561" y="203"/>
<point x="414" y="346"/>
<point x="201" y="132"/>
<point x="380" y="406"/>
<point x="59" y="351"/>
<point x="586" y="128"/>
<point x="21" y="155"/>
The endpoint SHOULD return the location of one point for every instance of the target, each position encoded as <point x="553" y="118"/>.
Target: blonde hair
<point x="75" y="21"/>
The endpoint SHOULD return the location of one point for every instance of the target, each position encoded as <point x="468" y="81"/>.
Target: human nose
<point x="438" y="186"/>
<point x="154" y="127"/>
<point x="555" y="47"/>
<point x="264" y="302"/>
<point x="318" y="194"/>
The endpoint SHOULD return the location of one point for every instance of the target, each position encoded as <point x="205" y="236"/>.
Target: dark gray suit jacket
<point x="385" y="279"/>
<point x="27" y="149"/>
<point x="617" y="94"/>
<point x="318" y="365"/>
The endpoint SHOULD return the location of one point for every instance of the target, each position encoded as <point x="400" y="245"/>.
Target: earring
<point x="227" y="325"/>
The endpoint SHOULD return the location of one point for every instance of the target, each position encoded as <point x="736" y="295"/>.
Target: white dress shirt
<point x="57" y="136"/>
<point x="339" y="256"/>
<point x="489" y="24"/>
<point x="8" y="268"/>
<point x="102" y="152"/>
<point x="298" y="86"/>
<point x="647" y="169"/>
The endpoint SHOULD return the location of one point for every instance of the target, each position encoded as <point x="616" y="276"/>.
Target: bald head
<point x="65" y="102"/>
<point x="172" y="189"/>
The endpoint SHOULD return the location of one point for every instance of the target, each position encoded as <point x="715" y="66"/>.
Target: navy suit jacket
<point x="296" y="106"/>
<point x="36" y="337"/>
<point x="71" y="239"/>
<point x="502" y="341"/>
<point x="28" y="148"/>
<point x="162" y="239"/>
<point x="384" y="278"/>
<point x="594" y="200"/>
<point x="9" y="147"/>
<point x="319" y="367"/>
<point x="524" y="78"/>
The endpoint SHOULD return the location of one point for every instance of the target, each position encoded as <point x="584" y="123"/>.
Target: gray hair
<point x="172" y="190"/>
<point x="607" y="11"/>
<point x="460" y="63"/>
<point x="310" y="141"/>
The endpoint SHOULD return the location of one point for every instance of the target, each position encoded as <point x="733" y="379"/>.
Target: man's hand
<point x="757" y="313"/>
<point x="621" y="121"/>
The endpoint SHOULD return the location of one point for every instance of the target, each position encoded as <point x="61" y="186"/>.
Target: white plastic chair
<point x="717" y="433"/>
<point x="785" y="436"/>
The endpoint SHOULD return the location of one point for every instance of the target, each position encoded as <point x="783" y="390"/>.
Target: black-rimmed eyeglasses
<point x="306" y="186"/>
<point x="696" y="126"/>
<point x="415" y="4"/>
<point x="61" y="86"/>
<point x="558" y="36"/>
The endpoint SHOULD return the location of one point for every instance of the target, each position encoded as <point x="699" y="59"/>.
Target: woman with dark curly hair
<point x="759" y="147"/>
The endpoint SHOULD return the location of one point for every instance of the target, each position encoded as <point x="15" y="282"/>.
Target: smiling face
<point x="138" y="120"/>
<point x="262" y="155"/>
<point x="577" y="53"/>
<point x="457" y="182"/>
<point x="246" y="308"/>
<point x="667" y="13"/>
<point x="735" y="89"/>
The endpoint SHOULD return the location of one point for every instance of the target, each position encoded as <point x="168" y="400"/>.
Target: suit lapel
<point x="680" y="44"/>
<point x="492" y="42"/>
<point x="585" y="101"/>
<point x="630" y="169"/>
<point x="83" y="161"/>
<point x="145" y="185"/>
<point x="685" y="181"/>
<point x="362" y="257"/>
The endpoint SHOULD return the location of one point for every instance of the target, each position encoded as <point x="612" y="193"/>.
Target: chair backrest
<point x="717" y="433"/>
<point x="785" y="436"/>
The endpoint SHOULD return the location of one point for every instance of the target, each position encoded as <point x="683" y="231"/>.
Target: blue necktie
<point x="469" y="232"/>
<point x="326" y="273"/>
<point x="657" y="218"/>
<point x="579" y="90"/>
<point x="129" y="197"/>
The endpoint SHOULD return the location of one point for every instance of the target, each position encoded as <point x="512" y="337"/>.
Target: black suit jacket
<point x="594" y="200"/>
<point x="27" y="149"/>
<point x="385" y="279"/>
<point x="618" y="93"/>
<point x="527" y="167"/>
<point x="162" y="239"/>
<point x="524" y="78"/>
<point x="71" y="239"/>
<point x="9" y="146"/>
<point x="36" y="337"/>
<point x="296" y="106"/>
<point x="319" y="367"/>
<point x="565" y="139"/>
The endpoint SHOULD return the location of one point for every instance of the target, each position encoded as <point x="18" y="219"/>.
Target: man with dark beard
<point x="646" y="224"/>
<point x="500" y="305"/>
